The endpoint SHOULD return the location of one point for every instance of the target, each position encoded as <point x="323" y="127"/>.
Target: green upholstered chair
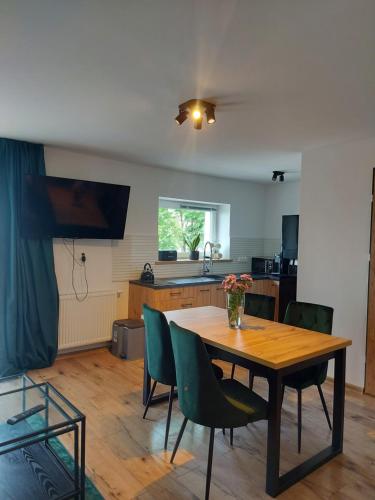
<point x="160" y="359"/>
<point x="261" y="306"/>
<point x="319" y="319"/>
<point x="205" y="400"/>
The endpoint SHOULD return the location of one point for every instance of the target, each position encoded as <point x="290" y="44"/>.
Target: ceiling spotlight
<point x="196" y="108"/>
<point x="198" y="122"/>
<point x="210" y="112"/>
<point x="181" y="117"/>
<point x="278" y="174"/>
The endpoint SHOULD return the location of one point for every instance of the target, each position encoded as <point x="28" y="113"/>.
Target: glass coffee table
<point x="33" y="462"/>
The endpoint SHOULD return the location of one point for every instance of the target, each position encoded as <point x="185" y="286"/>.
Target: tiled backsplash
<point x="129" y="256"/>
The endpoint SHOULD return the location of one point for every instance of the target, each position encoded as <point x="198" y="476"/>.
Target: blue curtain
<point x="29" y="303"/>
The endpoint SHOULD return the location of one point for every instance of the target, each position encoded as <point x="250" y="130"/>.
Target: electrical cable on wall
<point x="82" y="264"/>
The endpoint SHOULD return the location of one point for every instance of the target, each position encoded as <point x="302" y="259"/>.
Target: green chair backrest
<point x="313" y="317"/>
<point x="200" y="396"/>
<point x="310" y="316"/>
<point x="261" y="306"/>
<point x="159" y="350"/>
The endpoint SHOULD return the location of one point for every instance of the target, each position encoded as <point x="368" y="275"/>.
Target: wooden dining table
<point x="274" y="350"/>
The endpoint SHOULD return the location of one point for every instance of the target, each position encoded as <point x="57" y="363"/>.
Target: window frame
<point x="212" y="208"/>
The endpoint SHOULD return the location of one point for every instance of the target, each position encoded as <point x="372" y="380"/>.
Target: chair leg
<point x="178" y="439"/>
<point x="324" y="405"/>
<point x="223" y="431"/>
<point x="169" y="416"/>
<point x="149" y="398"/>
<point x="232" y="372"/>
<point x="282" y="394"/>
<point x="299" y="391"/>
<point x="231" y="436"/>
<point x="251" y="380"/>
<point x="209" y="463"/>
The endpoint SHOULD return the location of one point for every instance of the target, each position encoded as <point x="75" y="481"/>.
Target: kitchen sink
<point x="195" y="279"/>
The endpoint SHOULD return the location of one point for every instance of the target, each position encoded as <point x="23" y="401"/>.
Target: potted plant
<point x="192" y="244"/>
<point x="235" y="289"/>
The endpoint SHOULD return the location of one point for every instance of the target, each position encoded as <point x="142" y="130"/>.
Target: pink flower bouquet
<point x="236" y="289"/>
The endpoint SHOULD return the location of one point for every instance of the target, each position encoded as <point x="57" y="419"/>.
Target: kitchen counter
<point x="197" y="280"/>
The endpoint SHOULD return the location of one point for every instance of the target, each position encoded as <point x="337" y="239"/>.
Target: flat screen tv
<point x="71" y="208"/>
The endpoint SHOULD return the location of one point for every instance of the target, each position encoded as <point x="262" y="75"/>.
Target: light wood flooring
<point x="125" y="456"/>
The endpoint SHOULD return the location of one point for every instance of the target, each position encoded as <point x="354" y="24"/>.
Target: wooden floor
<point x="125" y="456"/>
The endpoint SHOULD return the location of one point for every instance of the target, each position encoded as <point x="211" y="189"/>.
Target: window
<point x="180" y="221"/>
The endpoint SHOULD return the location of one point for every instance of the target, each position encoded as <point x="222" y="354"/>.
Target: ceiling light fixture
<point x="196" y="108"/>
<point x="278" y="174"/>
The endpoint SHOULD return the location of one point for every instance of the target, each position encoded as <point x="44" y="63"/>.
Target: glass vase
<point x="235" y="308"/>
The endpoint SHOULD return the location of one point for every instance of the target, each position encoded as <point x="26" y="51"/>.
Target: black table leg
<point x="273" y="438"/>
<point x="339" y="401"/>
<point x="276" y="484"/>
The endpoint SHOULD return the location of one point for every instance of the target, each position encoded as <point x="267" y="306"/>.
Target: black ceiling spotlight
<point x="210" y="112"/>
<point x="278" y="174"/>
<point x="195" y="109"/>
<point x="181" y="117"/>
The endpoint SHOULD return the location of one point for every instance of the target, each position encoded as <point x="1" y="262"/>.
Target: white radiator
<point x="87" y="322"/>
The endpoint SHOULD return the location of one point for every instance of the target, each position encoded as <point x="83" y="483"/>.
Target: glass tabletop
<point x="21" y="393"/>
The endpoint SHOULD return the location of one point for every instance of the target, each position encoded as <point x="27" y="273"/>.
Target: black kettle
<point x="147" y="275"/>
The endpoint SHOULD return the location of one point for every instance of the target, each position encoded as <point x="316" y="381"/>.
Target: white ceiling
<point x="107" y="76"/>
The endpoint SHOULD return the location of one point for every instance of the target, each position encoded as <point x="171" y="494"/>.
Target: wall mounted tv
<point x="71" y="208"/>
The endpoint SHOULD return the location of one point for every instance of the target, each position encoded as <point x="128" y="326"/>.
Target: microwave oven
<point x="261" y="265"/>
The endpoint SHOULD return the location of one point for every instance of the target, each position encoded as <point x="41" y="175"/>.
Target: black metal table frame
<point x="76" y="425"/>
<point x="276" y="484"/>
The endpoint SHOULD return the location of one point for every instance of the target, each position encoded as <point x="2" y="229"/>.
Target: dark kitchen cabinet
<point x="290" y="236"/>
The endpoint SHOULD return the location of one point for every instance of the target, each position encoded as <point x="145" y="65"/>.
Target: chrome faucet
<point x="206" y="266"/>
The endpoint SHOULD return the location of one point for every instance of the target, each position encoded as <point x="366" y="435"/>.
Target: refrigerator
<point x="289" y="263"/>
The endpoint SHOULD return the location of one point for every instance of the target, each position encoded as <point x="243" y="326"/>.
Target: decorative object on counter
<point x="147" y="275"/>
<point x="192" y="244"/>
<point x="216" y="255"/>
<point x="167" y="255"/>
<point x="235" y="290"/>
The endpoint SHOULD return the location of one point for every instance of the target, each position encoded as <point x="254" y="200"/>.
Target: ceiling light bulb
<point x="210" y="115"/>
<point x="274" y="177"/>
<point x="197" y="114"/>
<point x="281" y="177"/>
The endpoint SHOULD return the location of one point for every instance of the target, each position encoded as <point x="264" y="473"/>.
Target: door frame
<point x="370" y="327"/>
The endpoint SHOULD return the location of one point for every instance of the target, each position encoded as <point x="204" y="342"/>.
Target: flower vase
<point x="235" y="308"/>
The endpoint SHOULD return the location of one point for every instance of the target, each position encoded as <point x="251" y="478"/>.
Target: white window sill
<point x="188" y="261"/>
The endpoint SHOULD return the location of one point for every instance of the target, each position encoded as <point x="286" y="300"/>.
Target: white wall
<point x="334" y="238"/>
<point x="282" y="198"/>
<point x="147" y="184"/>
